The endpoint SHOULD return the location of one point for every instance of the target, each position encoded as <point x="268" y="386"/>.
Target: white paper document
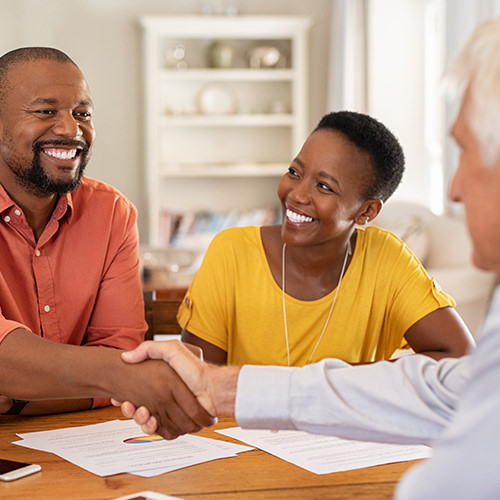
<point x="325" y="454"/>
<point x="147" y="495"/>
<point x="120" y="446"/>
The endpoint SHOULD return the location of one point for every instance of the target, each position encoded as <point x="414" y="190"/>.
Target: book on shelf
<point x="194" y="230"/>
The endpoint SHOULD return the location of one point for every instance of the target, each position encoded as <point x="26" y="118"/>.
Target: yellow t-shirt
<point x="234" y="303"/>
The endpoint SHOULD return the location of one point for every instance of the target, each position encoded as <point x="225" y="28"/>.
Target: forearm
<point x="440" y="334"/>
<point x="407" y="401"/>
<point x="51" y="406"/>
<point x="34" y="368"/>
<point x="437" y="355"/>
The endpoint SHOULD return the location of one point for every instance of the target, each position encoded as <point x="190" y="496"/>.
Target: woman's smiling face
<point x="323" y="192"/>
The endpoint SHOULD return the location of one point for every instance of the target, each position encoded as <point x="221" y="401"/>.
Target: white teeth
<point x="294" y="217"/>
<point x="61" y="154"/>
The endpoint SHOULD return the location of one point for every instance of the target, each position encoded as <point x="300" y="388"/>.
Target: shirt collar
<point x="63" y="206"/>
<point x="5" y="200"/>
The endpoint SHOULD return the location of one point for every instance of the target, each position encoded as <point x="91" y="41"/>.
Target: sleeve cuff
<point x="262" y="397"/>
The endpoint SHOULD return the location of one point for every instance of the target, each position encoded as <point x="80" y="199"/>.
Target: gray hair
<point x="477" y="67"/>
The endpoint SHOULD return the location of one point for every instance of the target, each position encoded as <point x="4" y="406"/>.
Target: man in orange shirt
<point x="69" y="268"/>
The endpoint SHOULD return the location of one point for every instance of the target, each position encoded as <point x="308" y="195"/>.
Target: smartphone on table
<point x="10" y="469"/>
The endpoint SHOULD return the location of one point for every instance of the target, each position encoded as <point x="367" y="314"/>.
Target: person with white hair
<point x="451" y="404"/>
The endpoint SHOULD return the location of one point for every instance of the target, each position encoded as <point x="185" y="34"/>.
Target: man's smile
<point x="60" y="154"/>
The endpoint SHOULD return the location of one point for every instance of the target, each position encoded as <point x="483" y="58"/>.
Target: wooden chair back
<point x="161" y="310"/>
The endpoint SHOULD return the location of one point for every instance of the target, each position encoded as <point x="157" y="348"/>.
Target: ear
<point x="368" y="211"/>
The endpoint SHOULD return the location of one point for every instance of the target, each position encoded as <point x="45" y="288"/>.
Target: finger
<point x="128" y="409"/>
<point x="153" y="350"/>
<point x="188" y="406"/>
<point x="142" y="415"/>
<point x="167" y="433"/>
<point x="185" y="412"/>
<point x="136" y="355"/>
<point x="114" y="402"/>
<point x="171" y="431"/>
<point x="170" y="428"/>
<point x="151" y="426"/>
<point x="165" y="350"/>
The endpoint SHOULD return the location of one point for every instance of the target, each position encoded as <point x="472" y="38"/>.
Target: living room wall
<point x="103" y="37"/>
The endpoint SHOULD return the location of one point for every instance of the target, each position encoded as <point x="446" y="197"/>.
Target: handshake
<point x="213" y="386"/>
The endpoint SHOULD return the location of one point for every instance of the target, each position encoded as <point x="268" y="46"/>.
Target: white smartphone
<point x="10" y="470"/>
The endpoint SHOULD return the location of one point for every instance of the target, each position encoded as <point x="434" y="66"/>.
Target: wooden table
<point x="250" y="475"/>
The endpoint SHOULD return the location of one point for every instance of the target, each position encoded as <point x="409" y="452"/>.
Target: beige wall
<point x="103" y="38"/>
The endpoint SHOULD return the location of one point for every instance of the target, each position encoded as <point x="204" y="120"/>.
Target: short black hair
<point x="27" y="54"/>
<point x="378" y="141"/>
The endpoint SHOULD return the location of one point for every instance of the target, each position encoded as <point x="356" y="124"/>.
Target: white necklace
<point x="347" y="253"/>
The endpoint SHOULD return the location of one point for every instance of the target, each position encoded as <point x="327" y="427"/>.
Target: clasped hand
<point x="201" y="378"/>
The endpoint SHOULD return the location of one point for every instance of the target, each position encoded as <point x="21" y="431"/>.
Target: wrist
<point x="106" y="374"/>
<point x="223" y="386"/>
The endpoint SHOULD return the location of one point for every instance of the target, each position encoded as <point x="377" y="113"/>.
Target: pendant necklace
<point x="347" y="253"/>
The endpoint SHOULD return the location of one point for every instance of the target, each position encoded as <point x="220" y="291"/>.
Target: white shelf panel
<point x="232" y="170"/>
<point x="228" y="75"/>
<point x="228" y="120"/>
<point x="249" y="138"/>
<point x="225" y="27"/>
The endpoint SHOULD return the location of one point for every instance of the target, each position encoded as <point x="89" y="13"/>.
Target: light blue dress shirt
<point x="451" y="404"/>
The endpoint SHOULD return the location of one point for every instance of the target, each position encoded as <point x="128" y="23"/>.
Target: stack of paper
<point x="120" y="446"/>
<point x="326" y="454"/>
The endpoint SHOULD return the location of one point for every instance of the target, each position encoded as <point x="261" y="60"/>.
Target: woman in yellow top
<point x="318" y="285"/>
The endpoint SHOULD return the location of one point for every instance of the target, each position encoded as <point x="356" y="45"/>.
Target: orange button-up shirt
<point x="79" y="283"/>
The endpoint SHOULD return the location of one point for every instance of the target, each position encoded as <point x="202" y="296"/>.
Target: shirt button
<point x="37" y="252"/>
<point x="17" y="211"/>
<point x="6" y="218"/>
<point x="46" y="309"/>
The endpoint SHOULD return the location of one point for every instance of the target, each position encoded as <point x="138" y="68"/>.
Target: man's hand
<point x="27" y="372"/>
<point x="156" y="386"/>
<point x="214" y="386"/>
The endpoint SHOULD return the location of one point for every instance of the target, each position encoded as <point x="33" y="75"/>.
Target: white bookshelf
<point x="219" y="138"/>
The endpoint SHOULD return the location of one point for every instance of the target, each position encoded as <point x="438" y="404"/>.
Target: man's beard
<point x="35" y="179"/>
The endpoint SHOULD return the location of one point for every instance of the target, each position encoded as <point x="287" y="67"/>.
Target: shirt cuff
<point x="262" y="397"/>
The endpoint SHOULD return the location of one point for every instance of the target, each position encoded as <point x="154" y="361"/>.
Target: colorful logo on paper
<point x="143" y="439"/>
